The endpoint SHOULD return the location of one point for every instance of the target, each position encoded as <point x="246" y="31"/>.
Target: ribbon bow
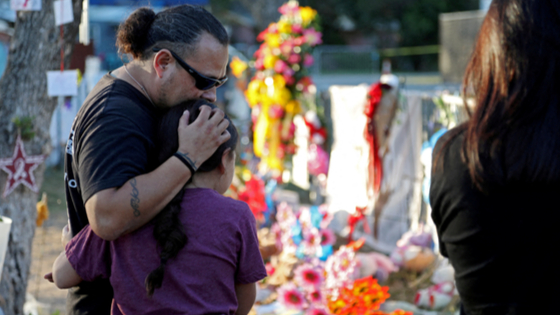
<point x="355" y="218"/>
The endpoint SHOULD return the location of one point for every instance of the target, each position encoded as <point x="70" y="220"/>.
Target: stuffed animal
<point x="413" y="257"/>
<point x="375" y="264"/>
<point x="435" y="297"/>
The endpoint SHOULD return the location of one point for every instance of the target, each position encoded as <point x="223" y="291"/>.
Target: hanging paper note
<point x="63" y="12"/>
<point x="25" y="5"/>
<point x="62" y="83"/>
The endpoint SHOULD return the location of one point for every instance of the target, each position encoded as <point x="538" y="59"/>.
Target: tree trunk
<point x="263" y="11"/>
<point x="34" y="49"/>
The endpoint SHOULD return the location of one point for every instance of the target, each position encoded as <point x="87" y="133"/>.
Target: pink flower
<point x="288" y="9"/>
<point x="299" y="41"/>
<point x="317" y="311"/>
<point x="315" y="297"/>
<point x="307" y="277"/>
<point x="294" y="58"/>
<point x="290" y="297"/>
<point x="259" y="64"/>
<point x="312" y="37"/>
<point x="269" y="269"/>
<point x="285" y="216"/>
<point x="296" y="28"/>
<point x="280" y="66"/>
<point x="275" y="111"/>
<point x="308" y="60"/>
<point x="287" y="47"/>
<point x="290" y="80"/>
<point x="281" y="152"/>
<point x="327" y="237"/>
<point x="312" y="236"/>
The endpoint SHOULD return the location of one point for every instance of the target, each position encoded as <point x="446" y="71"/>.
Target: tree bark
<point x="263" y="11"/>
<point x="34" y="49"/>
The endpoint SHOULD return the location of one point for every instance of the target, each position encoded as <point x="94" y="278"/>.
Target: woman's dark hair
<point x="513" y="134"/>
<point x="177" y="28"/>
<point x="168" y="229"/>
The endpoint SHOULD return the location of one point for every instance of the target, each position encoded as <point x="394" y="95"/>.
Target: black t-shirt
<point x="502" y="244"/>
<point x="111" y="141"/>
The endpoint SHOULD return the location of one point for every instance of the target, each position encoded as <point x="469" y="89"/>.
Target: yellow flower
<point x="237" y="66"/>
<point x="282" y="96"/>
<point x="279" y="81"/>
<point x="273" y="40"/>
<point x="270" y="61"/>
<point x="293" y="107"/>
<point x="42" y="210"/>
<point x="254" y="92"/>
<point x="284" y="27"/>
<point x="307" y="15"/>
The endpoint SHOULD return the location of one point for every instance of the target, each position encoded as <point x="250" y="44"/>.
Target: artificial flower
<point x="280" y="66"/>
<point x="307" y="15"/>
<point x="270" y="61"/>
<point x="312" y="37"/>
<point x="317" y="311"/>
<point x="289" y="9"/>
<point x="296" y="28"/>
<point x="273" y="40"/>
<point x="294" y="58"/>
<point x="290" y="297"/>
<point x="308" y="60"/>
<point x="307" y="277"/>
<point x="275" y="111"/>
<point x="284" y="27"/>
<point x="315" y="297"/>
<point x="327" y="237"/>
<point x="237" y="66"/>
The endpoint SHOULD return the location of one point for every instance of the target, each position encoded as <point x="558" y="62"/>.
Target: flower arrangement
<point x="304" y="233"/>
<point x="365" y="295"/>
<point x="254" y="195"/>
<point x="276" y="91"/>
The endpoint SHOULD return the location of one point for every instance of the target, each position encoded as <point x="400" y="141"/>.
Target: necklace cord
<point x="140" y="85"/>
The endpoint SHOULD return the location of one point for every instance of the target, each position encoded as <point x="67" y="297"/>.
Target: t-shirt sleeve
<point x="250" y="267"/>
<point x="89" y="255"/>
<point x="112" y="149"/>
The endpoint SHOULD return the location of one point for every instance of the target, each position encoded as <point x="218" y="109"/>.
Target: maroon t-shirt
<point x="222" y="250"/>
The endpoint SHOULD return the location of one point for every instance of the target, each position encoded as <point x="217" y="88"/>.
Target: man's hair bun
<point x="132" y="35"/>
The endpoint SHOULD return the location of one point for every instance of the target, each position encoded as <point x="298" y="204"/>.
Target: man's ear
<point x="162" y="60"/>
<point x="225" y="159"/>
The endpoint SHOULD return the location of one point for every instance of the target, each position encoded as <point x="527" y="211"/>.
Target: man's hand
<point x="200" y="139"/>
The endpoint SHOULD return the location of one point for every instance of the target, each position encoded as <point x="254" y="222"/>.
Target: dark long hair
<point x="513" y="134"/>
<point x="177" y="28"/>
<point x="168" y="229"/>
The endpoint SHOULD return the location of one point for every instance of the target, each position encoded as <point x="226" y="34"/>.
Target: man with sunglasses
<point x="111" y="181"/>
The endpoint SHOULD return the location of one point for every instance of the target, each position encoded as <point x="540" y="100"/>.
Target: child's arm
<point x="63" y="273"/>
<point x="246" y="295"/>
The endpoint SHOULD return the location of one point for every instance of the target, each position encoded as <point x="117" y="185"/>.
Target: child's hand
<point x="66" y="237"/>
<point x="49" y="277"/>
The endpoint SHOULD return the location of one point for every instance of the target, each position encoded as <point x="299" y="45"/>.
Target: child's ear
<point x="225" y="160"/>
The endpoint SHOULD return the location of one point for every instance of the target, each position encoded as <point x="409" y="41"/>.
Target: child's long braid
<point x="171" y="238"/>
<point x="169" y="231"/>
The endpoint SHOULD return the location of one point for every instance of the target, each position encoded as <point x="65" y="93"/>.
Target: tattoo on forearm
<point x="186" y="156"/>
<point x="135" y="201"/>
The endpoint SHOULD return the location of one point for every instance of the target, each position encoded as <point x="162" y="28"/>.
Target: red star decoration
<point x="20" y="169"/>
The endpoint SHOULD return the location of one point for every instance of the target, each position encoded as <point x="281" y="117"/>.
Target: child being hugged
<point x="200" y="255"/>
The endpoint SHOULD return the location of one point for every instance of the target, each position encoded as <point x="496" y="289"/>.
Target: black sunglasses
<point x="202" y="82"/>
